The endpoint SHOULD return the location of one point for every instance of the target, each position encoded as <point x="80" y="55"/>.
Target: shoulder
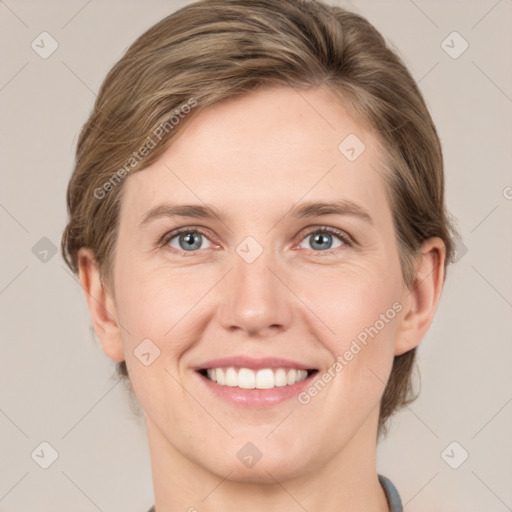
<point x="394" y="501"/>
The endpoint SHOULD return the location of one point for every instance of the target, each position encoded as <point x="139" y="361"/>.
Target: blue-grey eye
<point x="188" y="240"/>
<point x="322" y="240"/>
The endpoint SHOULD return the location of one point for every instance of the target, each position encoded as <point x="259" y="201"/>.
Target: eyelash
<point x="344" y="237"/>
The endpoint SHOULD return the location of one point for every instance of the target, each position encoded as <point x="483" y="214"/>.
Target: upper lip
<point x="253" y="363"/>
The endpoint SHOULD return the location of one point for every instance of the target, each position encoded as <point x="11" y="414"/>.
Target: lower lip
<point x="256" y="397"/>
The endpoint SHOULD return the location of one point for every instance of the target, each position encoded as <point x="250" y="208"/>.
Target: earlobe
<point x="420" y="302"/>
<point x="101" y="305"/>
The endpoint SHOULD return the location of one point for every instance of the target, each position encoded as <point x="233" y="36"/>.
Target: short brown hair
<point x="211" y="50"/>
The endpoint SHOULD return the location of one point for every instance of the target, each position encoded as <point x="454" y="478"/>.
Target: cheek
<point x="359" y="310"/>
<point x="151" y="300"/>
<point x="351" y="298"/>
<point x="164" y="305"/>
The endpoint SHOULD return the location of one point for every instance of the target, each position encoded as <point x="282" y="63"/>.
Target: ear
<point x="420" y="302"/>
<point x="101" y="305"/>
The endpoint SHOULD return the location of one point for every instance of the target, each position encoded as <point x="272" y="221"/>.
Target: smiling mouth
<point x="264" y="378"/>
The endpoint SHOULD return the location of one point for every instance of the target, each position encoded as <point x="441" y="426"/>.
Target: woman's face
<point x="253" y="282"/>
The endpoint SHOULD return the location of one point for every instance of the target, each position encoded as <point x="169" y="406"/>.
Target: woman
<point x="263" y="284"/>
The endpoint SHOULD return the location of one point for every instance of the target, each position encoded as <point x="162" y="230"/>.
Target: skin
<point x="253" y="158"/>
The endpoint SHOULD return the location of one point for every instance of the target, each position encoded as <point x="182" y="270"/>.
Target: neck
<point x="348" y="482"/>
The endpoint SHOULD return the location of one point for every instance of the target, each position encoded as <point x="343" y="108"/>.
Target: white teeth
<point x="280" y="378"/>
<point x="290" y="377"/>
<point x="266" y="378"/>
<point x="231" y="377"/>
<point x="246" y="379"/>
<point x="219" y="373"/>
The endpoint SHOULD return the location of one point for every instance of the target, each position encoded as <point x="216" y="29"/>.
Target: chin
<point x="251" y="465"/>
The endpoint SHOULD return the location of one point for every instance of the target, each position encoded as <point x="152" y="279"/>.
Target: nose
<point x="255" y="298"/>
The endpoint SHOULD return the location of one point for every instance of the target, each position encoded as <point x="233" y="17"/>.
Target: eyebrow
<point x="302" y="210"/>
<point x="181" y="210"/>
<point x="344" y="208"/>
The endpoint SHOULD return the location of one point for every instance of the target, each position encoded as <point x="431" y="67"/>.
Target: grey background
<point x="56" y="384"/>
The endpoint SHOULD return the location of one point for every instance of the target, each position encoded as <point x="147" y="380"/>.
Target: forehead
<point x="266" y="149"/>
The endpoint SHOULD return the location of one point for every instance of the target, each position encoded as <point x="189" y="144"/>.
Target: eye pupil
<point x="320" y="238"/>
<point x="191" y="240"/>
